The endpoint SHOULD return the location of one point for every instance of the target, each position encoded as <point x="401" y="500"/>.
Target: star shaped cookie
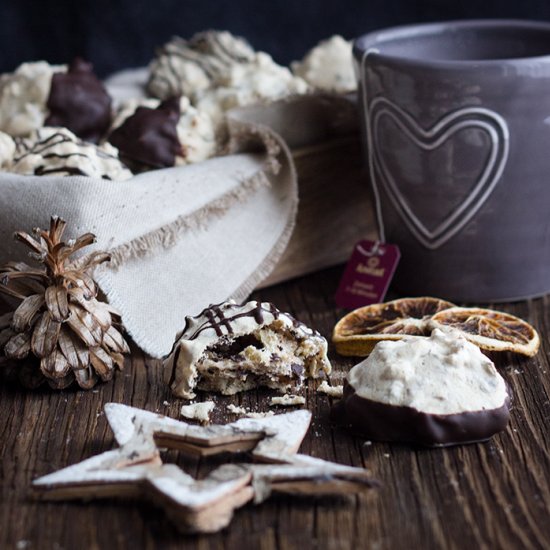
<point x="135" y="469"/>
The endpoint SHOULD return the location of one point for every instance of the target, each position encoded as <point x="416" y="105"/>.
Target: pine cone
<point x="60" y="332"/>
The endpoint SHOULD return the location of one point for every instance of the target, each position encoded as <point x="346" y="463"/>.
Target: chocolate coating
<point x="79" y="101"/>
<point x="384" y="422"/>
<point x="149" y="138"/>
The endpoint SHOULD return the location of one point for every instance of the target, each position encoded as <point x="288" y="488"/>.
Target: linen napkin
<point x="180" y="238"/>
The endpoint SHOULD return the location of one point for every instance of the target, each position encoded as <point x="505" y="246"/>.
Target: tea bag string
<point x="375" y="250"/>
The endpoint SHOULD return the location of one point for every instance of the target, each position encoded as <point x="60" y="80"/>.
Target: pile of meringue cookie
<point x="60" y="120"/>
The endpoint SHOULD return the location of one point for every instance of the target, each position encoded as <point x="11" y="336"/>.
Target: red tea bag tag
<point x="368" y="274"/>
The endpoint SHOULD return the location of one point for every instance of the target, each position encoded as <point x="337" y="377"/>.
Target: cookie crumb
<point x="198" y="411"/>
<point x="288" y="400"/>
<point x="260" y="414"/>
<point x="233" y="409"/>
<point x="331" y="391"/>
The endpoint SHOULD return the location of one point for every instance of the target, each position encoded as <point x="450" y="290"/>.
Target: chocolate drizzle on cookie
<point x="230" y="348"/>
<point x="211" y="53"/>
<point x="223" y="46"/>
<point x="218" y="321"/>
<point x="48" y="155"/>
<point x="149" y="138"/>
<point x="219" y="318"/>
<point x="79" y="101"/>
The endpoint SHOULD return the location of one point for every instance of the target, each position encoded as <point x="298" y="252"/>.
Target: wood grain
<point x="490" y="495"/>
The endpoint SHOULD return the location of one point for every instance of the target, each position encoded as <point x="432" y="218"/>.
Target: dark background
<point x="117" y="34"/>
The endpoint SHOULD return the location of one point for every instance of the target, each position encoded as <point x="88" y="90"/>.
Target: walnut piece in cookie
<point x="57" y="151"/>
<point x="432" y="391"/>
<point x="38" y="94"/>
<point x="230" y="348"/>
<point x="153" y="134"/>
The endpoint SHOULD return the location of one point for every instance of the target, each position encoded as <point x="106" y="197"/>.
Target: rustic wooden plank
<point x="329" y="174"/>
<point x="490" y="495"/>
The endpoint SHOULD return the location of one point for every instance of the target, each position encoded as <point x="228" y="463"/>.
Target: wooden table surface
<point x="489" y="495"/>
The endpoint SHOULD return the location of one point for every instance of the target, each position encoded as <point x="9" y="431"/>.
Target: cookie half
<point x="230" y="348"/>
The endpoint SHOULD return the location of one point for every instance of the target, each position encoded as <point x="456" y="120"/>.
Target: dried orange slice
<point x="491" y="330"/>
<point x="359" y="331"/>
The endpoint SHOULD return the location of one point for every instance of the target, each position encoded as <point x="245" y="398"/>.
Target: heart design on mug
<point x="430" y="140"/>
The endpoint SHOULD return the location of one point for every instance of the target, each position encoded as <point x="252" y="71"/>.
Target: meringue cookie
<point x="261" y="80"/>
<point x="7" y="151"/>
<point x="328" y="66"/>
<point x="187" y="67"/>
<point x="57" y="151"/>
<point x="23" y="97"/>
<point x="218" y="72"/>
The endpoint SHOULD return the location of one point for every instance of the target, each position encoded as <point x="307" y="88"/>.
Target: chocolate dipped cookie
<point x="152" y="134"/>
<point x="434" y="391"/>
<point x="38" y="94"/>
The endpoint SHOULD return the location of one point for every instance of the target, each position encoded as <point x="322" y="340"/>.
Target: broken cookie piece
<point x="230" y="348"/>
<point x="233" y="409"/>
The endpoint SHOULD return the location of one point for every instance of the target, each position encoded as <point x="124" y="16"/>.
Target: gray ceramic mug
<point x="456" y="118"/>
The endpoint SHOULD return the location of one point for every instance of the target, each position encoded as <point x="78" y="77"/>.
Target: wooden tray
<point x="335" y="211"/>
